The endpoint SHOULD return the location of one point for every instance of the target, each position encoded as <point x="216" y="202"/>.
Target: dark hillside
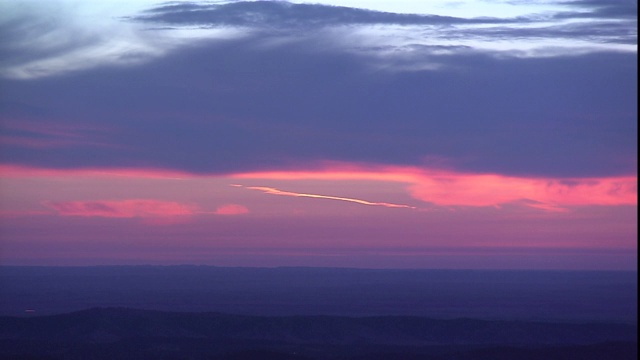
<point x="103" y="333"/>
<point x="556" y="296"/>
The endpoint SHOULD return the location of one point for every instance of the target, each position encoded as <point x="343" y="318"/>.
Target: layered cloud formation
<point x="344" y="127"/>
<point x="442" y="188"/>
<point x="257" y="85"/>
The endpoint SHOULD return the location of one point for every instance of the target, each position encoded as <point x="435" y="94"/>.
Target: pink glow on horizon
<point x="132" y="208"/>
<point x="464" y="219"/>
<point x="231" y="209"/>
<point x="438" y="187"/>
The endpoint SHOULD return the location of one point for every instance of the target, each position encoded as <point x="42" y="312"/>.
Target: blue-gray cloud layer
<point x="277" y="14"/>
<point x="281" y="13"/>
<point x="239" y="105"/>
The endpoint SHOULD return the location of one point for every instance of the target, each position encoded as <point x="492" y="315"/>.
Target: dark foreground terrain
<point x="575" y="296"/>
<point x="183" y="312"/>
<point x="120" y="333"/>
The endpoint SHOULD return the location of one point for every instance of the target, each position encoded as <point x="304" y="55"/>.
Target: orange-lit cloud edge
<point x="432" y="186"/>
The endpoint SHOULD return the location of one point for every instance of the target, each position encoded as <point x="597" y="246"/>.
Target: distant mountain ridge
<point x="115" y="329"/>
<point x="550" y="296"/>
<point x="105" y="324"/>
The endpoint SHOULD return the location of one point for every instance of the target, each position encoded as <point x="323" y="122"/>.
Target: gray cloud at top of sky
<point x="286" y="14"/>
<point x="282" y="14"/>
<point x="580" y="24"/>
<point x="273" y="14"/>
<point x="44" y="40"/>
<point x="257" y="99"/>
<point x="47" y="38"/>
<point x="573" y="28"/>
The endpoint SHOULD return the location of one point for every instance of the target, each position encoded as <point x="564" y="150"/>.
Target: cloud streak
<point x="447" y="188"/>
<point x="273" y="191"/>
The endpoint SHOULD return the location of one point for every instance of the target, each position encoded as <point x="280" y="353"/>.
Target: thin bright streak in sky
<point x="273" y="191"/>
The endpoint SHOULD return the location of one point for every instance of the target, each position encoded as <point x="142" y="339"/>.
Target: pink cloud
<point x="231" y="209"/>
<point x="433" y="186"/>
<point x="132" y="208"/>
<point x="449" y="188"/>
<point x="491" y="190"/>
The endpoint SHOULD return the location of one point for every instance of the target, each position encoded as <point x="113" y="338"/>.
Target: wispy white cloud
<point x="71" y="36"/>
<point x="43" y="39"/>
<point x="508" y="28"/>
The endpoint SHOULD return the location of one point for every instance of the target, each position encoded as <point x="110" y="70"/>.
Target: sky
<point x="475" y="134"/>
